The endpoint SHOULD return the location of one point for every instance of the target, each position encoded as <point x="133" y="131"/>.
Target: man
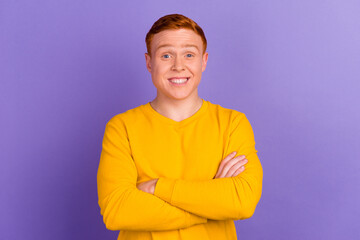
<point x="174" y="168"/>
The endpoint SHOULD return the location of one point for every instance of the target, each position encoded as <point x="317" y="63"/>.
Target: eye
<point x="189" y="55"/>
<point x="166" y="56"/>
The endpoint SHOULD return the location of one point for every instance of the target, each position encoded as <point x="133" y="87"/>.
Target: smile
<point x="178" y="81"/>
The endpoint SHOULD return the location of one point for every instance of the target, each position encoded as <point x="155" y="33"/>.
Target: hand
<point x="231" y="167"/>
<point x="148" y="186"/>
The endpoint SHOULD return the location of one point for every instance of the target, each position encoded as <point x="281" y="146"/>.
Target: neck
<point x="175" y="109"/>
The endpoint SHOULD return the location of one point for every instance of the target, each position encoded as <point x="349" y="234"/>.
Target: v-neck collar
<point x="148" y="108"/>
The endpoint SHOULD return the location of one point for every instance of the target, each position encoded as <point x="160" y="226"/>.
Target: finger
<point x="235" y="167"/>
<point x="237" y="172"/>
<point x="232" y="167"/>
<point x="226" y="166"/>
<point x="223" y="162"/>
<point x="231" y="163"/>
<point x="227" y="162"/>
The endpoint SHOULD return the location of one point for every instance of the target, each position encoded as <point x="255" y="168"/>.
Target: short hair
<point x="173" y="21"/>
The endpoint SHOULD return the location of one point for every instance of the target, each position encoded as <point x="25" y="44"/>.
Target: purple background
<point x="293" y="67"/>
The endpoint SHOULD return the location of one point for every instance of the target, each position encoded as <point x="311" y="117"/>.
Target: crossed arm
<point x="175" y="203"/>
<point x="230" y="195"/>
<point x="123" y="206"/>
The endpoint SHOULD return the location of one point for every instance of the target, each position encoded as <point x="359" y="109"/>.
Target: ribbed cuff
<point x="164" y="189"/>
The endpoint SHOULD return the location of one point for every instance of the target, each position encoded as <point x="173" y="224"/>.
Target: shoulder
<point x="129" y="116"/>
<point x="231" y="119"/>
<point x="225" y="113"/>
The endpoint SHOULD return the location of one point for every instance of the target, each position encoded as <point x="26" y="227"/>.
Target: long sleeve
<point x="123" y="206"/>
<point x="222" y="198"/>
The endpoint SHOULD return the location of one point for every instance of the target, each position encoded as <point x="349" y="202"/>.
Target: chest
<point x="192" y="152"/>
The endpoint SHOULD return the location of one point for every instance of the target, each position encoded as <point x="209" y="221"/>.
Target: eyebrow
<point x="183" y="46"/>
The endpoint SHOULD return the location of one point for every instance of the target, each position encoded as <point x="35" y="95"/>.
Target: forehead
<point x="179" y="38"/>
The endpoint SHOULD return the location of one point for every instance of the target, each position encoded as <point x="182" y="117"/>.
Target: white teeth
<point x="179" y="80"/>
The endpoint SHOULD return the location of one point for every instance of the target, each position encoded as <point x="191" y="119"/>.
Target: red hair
<point x="173" y="22"/>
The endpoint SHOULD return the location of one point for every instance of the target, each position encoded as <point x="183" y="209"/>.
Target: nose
<point x="178" y="64"/>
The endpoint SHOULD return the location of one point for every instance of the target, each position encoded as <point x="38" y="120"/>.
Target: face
<point x="176" y="63"/>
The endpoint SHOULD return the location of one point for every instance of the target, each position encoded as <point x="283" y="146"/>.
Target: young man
<point x="178" y="167"/>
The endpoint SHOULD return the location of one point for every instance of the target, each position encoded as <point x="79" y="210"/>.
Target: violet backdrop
<point x="293" y="67"/>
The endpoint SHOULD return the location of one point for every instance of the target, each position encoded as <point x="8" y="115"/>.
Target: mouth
<point x="179" y="81"/>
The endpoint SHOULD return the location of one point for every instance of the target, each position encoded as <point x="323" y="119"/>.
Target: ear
<point x="204" y="61"/>
<point x="148" y="62"/>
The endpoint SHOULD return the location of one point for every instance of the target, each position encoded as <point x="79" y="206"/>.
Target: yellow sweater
<point x="188" y="203"/>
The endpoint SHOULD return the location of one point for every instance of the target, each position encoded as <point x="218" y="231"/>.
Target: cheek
<point x="161" y="68"/>
<point x="160" y="72"/>
<point x="196" y="67"/>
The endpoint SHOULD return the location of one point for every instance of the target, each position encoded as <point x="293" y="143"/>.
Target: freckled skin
<point x="177" y="59"/>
